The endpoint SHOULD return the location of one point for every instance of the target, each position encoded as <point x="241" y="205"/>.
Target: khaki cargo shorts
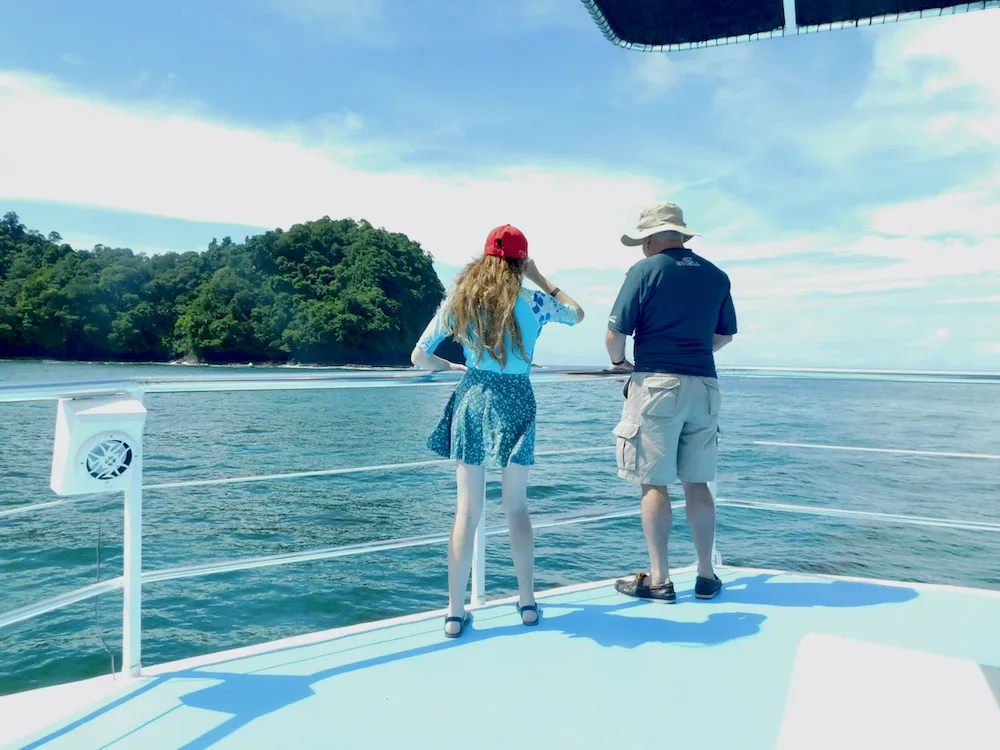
<point x="669" y="429"/>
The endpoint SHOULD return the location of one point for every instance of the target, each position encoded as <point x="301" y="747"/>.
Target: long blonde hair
<point x="481" y="309"/>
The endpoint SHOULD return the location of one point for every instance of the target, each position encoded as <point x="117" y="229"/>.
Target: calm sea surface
<point x="201" y="436"/>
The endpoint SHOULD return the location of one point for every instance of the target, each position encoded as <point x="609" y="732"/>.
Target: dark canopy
<point x="677" y="24"/>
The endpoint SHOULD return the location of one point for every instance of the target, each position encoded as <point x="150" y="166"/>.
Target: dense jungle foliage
<point x="323" y="292"/>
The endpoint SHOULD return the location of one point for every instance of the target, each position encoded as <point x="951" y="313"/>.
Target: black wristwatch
<point x="615" y="364"/>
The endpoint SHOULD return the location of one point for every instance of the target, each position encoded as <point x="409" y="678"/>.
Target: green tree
<point x="327" y="291"/>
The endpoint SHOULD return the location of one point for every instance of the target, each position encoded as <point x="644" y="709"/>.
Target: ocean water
<point x="196" y="436"/>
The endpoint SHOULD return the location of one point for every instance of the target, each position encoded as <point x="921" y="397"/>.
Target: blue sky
<point x="848" y="182"/>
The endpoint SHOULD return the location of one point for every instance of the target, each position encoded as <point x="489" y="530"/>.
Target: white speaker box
<point x="98" y="445"/>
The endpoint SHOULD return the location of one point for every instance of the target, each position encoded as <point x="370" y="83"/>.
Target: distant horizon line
<point x="734" y="369"/>
<point x="838" y="370"/>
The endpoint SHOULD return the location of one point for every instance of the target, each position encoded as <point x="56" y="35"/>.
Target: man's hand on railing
<point x="615" y="342"/>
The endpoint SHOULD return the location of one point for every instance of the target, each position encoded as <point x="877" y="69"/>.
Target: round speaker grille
<point x="109" y="459"/>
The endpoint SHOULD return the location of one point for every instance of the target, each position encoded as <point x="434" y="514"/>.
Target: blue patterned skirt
<point x="490" y="419"/>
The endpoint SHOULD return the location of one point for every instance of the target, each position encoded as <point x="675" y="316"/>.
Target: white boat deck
<point x="777" y="661"/>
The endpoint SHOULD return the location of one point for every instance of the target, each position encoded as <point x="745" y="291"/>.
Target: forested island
<point x="324" y="292"/>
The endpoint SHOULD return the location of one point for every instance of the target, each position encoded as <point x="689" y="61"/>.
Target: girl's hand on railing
<point x="432" y="363"/>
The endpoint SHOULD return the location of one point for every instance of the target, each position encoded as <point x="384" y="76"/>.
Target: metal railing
<point x="365" y="548"/>
<point x="378" y="468"/>
<point x="290" y="380"/>
<point x="133" y="577"/>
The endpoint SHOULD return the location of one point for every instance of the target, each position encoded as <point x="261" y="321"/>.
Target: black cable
<point x="97" y="616"/>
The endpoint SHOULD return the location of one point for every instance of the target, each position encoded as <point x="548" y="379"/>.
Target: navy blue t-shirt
<point x="672" y="304"/>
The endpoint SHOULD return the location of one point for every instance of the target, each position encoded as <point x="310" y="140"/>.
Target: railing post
<point x="479" y="561"/>
<point x="132" y="572"/>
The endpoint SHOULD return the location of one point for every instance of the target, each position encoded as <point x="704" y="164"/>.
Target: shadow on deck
<point x="211" y="703"/>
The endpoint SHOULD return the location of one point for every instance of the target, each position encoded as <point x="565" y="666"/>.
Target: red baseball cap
<point x="507" y="242"/>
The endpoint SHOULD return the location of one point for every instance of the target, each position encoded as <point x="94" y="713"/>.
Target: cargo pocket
<point x="627" y="448"/>
<point x="714" y="396"/>
<point x="660" y="396"/>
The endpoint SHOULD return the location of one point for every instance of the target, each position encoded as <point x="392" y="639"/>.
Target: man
<point x="678" y="308"/>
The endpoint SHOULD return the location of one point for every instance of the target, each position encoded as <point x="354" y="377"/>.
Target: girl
<point x="490" y="419"/>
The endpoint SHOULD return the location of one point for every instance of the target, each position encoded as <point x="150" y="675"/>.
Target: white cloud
<point x="966" y="43"/>
<point x="970" y="300"/>
<point x="933" y="85"/>
<point x="342" y="17"/>
<point x="831" y="265"/>
<point x="153" y="160"/>
<point x="181" y="162"/>
<point x="936" y="340"/>
<point x="76" y="60"/>
<point x="931" y="90"/>
<point x="548" y="13"/>
<point x="654" y="74"/>
<point x="930" y="95"/>
<point x="917" y="68"/>
<point x="972" y="214"/>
